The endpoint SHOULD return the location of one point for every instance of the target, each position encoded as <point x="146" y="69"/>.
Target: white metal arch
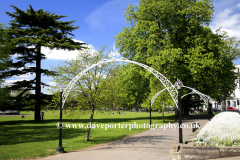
<point x="169" y="86"/>
<point x="156" y="95"/>
<point x="194" y="91"/>
<point x="205" y="97"/>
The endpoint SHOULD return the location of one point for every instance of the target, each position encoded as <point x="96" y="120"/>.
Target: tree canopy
<point x="93" y="90"/>
<point x="5" y="64"/>
<point x="173" y="37"/>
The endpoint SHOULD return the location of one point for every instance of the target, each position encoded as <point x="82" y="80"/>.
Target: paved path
<point x="150" y="144"/>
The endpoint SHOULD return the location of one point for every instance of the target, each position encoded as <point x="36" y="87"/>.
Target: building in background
<point x="235" y="100"/>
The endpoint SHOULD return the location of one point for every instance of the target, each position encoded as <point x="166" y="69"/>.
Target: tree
<point x="231" y="44"/>
<point x="173" y="38"/>
<point x="88" y="91"/>
<point x="133" y="86"/>
<point x="5" y="61"/>
<point x="30" y="31"/>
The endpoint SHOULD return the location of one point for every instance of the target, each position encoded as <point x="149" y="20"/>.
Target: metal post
<point x="209" y="117"/>
<point x="180" y="115"/>
<point x="60" y="149"/>
<point x="163" y="112"/>
<point x="150" y="113"/>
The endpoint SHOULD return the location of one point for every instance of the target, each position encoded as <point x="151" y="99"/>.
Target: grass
<point x="26" y="139"/>
<point x="207" y="112"/>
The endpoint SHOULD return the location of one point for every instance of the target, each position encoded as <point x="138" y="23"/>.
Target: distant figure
<point x="113" y="113"/>
<point x="53" y="110"/>
<point x="42" y="114"/>
<point x="119" y="112"/>
<point x="123" y="113"/>
<point x="23" y="116"/>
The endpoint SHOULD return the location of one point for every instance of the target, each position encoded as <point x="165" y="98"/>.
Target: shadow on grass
<point x="24" y="131"/>
<point x="103" y="120"/>
<point x="11" y="134"/>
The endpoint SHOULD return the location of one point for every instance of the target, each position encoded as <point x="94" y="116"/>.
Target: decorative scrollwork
<point x="172" y="88"/>
<point x="167" y="84"/>
<point x="178" y="84"/>
<point x="114" y="53"/>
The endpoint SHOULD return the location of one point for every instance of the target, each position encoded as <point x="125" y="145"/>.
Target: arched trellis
<point x="205" y="98"/>
<point x="169" y="86"/>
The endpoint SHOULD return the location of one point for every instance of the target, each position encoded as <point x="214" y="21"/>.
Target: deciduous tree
<point x="173" y="37"/>
<point x="89" y="91"/>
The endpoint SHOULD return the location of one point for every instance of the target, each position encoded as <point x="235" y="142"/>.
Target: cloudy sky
<point x="101" y="20"/>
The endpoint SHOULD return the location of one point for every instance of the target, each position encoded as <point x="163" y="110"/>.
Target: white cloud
<point x="14" y="79"/>
<point x="238" y="5"/>
<point x="59" y="54"/>
<point x="62" y="54"/>
<point x="9" y="82"/>
<point x="229" y="21"/>
<point x="52" y="83"/>
<point x="26" y="76"/>
<point x="110" y="14"/>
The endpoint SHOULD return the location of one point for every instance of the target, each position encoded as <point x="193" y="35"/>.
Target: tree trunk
<point x="163" y="116"/>
<point x="38" y="85"/>
<point x="224" y="105"/>
<point x="90" y="123"/>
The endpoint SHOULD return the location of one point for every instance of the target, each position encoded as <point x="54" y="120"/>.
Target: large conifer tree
<point x="30" y="31"/>
<point x="5" y="61"/>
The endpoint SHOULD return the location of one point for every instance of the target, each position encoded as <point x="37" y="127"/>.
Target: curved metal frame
<point x="203" y="96"/>
<point x="169" y="86"/>
<point x="156" y="95"/>
<point x="194" y="91"/>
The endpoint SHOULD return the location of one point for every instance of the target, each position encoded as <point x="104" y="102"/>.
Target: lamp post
<point x="150" y="113"/>
<point x="60" y="149"/>
<point x="163" y="112"/>
<point x="179" y="85"/>
<point x="209" y="112"/>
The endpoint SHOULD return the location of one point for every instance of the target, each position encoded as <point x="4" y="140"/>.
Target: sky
<point x="101" y="20"/>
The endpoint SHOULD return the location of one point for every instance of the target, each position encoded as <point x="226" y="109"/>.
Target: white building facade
<point x="235" y="100"/>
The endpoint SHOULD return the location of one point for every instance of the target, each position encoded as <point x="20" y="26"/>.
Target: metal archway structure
<point x="205" y="98"/>
<point x="156" y="95"/>
<point x="168" y="85"/>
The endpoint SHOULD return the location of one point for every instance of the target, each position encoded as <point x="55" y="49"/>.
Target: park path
<point x="150" y="144"/>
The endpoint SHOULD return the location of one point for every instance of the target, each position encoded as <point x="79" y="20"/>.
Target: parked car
<point x="231" y="108"/>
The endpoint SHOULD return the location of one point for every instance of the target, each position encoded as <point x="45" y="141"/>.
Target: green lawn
<point x="25" y="139"/>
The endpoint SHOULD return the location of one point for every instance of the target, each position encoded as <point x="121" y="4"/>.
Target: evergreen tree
<point x="5" y="61"/>
<point x="30" y="31"/>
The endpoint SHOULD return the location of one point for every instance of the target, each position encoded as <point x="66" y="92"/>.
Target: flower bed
<point x="222" y="130"/>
